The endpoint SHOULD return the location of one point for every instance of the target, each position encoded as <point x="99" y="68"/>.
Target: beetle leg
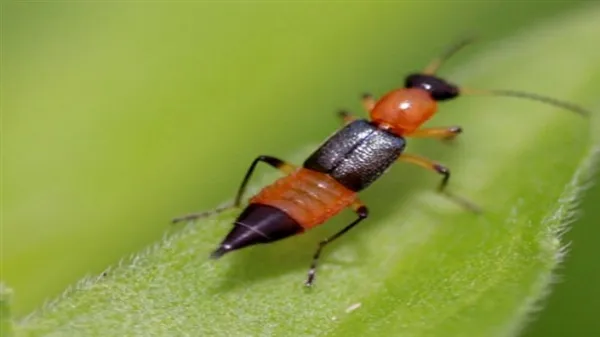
<point x="443" y="133"/>
<point x="445" y="172"/>
<point x="368" y="102"/>
<point x="277" y="163"/>
<point x="346" y="117"/>
<point x="362" y="212"/>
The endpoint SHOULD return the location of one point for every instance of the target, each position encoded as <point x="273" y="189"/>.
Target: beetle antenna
<point x="533" y="97"/>
<point x="436" y="63"/>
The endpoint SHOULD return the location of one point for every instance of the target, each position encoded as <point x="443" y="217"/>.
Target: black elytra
<point x="357" y="155"/>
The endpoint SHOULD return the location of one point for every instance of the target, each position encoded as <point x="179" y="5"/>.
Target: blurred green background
<point x="118" y="116"/>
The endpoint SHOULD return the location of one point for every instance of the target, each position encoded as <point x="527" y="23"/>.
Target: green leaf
<point x="420" y="266"/>
<point x="5" y="316"/>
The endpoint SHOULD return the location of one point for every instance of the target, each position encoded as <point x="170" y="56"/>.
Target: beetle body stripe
<point x="307" y="196"/>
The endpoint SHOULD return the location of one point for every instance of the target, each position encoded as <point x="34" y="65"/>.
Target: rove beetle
<point x="349" y="161"/>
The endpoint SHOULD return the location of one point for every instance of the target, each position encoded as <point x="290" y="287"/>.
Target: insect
<point x="349" y="161"/>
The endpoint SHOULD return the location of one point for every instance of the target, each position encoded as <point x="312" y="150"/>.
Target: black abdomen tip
<point x="222" y="250"/>
<point x="258" y="223"/>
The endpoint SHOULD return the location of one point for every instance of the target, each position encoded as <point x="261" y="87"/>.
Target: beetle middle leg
<point x="443" y="133"/>
<point x="445" y="172"/>
<point x="277" y="163"/>
<point x="362" y="212"/>
<point x="346" y="117"/>
<point x="368" y="101"/>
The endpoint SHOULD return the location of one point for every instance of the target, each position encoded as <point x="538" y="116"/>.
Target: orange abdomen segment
<point x="309" y="197"/>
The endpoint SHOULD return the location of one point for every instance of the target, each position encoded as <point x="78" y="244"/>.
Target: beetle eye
<point x="438" y="88"/>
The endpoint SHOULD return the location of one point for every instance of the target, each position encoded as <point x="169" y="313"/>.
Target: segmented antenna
<point x="436" y="63"/>
<point x="530" y="96"/>
<point x="433" y="67"/>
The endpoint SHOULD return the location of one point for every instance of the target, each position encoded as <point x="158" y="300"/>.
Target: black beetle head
<point x="439" y="89"/>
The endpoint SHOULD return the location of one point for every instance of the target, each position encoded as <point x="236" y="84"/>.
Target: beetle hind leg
<point x="277" y="163"/>
<point x="203" y="214"/>
<point x="362" y="212"/>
